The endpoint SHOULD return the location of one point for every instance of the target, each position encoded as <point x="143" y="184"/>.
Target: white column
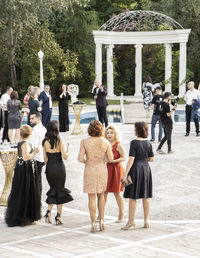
<point x="98" y="62"/>
<point x="110" y="79"/>
<point x="168" y="67"/>
<point x="138" y="70"/>
<point x="182" y="69"/>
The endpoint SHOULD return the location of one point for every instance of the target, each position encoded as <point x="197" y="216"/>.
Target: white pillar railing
<point x="122" y="106"/>
<point x="182" y="69"/>
<point x="98" y="62"/>
<point x="138" y="70"/>
<point x="168" y="67"/>
<point x="110" y="78"/>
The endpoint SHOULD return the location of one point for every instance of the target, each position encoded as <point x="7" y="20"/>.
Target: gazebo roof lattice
<point x="140" y="21"/>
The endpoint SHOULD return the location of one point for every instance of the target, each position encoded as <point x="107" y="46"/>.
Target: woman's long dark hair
<point x="52" y="134"/>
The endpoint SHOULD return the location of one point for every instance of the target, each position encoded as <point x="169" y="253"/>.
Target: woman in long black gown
<point x="54" y="151"/>
<point x="63" y="109"/>
<point x="138" y="169"/>
<point x="24" y="199"/>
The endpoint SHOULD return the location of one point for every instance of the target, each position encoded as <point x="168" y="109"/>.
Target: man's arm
<point x="103" y="91"/>
<point x="172" y="110"/>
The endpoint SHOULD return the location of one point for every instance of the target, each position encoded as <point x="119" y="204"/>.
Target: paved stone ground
<point x="174" y="219"/>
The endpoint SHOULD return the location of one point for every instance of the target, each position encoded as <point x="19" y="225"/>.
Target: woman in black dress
<point x="63" y="109"/>
<point x="54" y="151"/>
<point x="138" y="169"/>
<point x="34" y="104"/>
<point x="14" y="118"/>
<point x="24" y="199"/>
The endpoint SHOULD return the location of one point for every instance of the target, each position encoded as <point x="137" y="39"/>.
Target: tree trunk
<point x="11" y="53"/>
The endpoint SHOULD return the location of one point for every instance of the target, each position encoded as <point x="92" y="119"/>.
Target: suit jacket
<point x="101" y="97"/>
<point x="45" y="102"/>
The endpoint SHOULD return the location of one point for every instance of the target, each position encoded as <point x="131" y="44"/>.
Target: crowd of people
<point x="35" y="101"/>
<point x="154" y="99"/>
<point x="102" y="153"/>
<point x="101" y="150"/>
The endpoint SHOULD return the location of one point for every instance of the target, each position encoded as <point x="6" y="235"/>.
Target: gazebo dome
<point x="140" y="21"/>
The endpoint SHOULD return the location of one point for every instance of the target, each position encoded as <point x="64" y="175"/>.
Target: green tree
<point x="73" y="31"/>
<point x="59" y="65"/>
<point x="16" y="16"/>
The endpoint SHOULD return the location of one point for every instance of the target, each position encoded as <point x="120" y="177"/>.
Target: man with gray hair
<point x="190" y="95"/>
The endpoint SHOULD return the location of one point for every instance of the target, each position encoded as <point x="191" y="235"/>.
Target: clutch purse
<point x="129" y="181"/>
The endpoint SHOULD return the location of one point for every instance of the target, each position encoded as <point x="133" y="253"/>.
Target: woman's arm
<point x="109" y="154"/>
<point x="81" y="155"/>
<point x="128" y="166"/>
<point x="26" y="155"/>
<point x="38" y="107"/>
<point x="150" y="159"/>
<point x="122" y="154"/>
<point x="44" y="154"/>
<point x="65" y="153"/>
<point x="61" y="95"/>
<point x="25" y="101"/>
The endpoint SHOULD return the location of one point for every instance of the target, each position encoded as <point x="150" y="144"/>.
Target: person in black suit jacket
<point x="99" y="93"/>
<point x="45" y="98"/>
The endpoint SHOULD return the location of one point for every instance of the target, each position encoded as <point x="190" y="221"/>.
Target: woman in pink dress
<point x="94" y="151"/>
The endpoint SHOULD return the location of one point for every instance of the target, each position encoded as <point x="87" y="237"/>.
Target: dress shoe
<point x="159" y="151"/>
<point x="187" y="134"/>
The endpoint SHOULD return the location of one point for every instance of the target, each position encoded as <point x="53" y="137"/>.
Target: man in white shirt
<point x="37" y="137"/>
<point x="191" y="94"/>
<point x="4" y="99"/>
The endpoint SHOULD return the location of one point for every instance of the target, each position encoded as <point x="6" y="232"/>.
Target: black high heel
<point x="47" y="217"/>
<point x="58" y="220"/>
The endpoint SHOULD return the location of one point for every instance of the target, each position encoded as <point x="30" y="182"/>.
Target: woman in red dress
<point x="115" y="170"/>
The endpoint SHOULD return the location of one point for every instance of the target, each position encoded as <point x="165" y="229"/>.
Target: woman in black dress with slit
<point x="63" y="109"/>
<point x="138" y="168"/>
<point x="54" y="151"/>
<point x="24" y="200"/>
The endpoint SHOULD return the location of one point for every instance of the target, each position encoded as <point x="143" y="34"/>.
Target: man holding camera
<point x="99" y="93"/>
<point x="167" y="122"/>
<point x="190" y="95"/>
<point x="156" y="102"/>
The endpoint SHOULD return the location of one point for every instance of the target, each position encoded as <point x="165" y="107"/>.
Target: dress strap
<point x="115" y="145"/>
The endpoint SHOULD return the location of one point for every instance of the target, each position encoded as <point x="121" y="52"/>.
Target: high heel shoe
<point x="146" y="225"/>
<point x="101" y="225"/>
<point x="58" y="220"/>
<point x="129" y="226"/>
<point x="120" y="219"/>
<point x="93" y="228"/>
<point x="47" y="217"/>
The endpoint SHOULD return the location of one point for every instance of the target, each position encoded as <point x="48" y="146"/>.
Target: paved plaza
<point x="174" y="217"/>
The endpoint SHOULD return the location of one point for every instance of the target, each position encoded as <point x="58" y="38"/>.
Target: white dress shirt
<point x="37" y="137"/>
<point x="190" y="95"/>
<point x="4" y="99"/>
<point x="50" y="99"/>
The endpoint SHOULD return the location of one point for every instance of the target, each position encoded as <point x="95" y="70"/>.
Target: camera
<point x="174" y="101"/>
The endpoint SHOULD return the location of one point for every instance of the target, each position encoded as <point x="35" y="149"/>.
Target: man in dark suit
<point x="45" y="98"/>
<point x="99" y="94"/>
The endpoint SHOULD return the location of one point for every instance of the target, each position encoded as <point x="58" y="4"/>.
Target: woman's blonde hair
<point x="25" y="131"/>
<point x="30" y="89"/>
<point x="115" y="131"/>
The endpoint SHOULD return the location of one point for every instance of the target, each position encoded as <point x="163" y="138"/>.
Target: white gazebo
<point x="139" y="28"/>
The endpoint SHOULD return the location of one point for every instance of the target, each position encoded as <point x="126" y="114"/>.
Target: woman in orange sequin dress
<point x="115" y="170"/>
